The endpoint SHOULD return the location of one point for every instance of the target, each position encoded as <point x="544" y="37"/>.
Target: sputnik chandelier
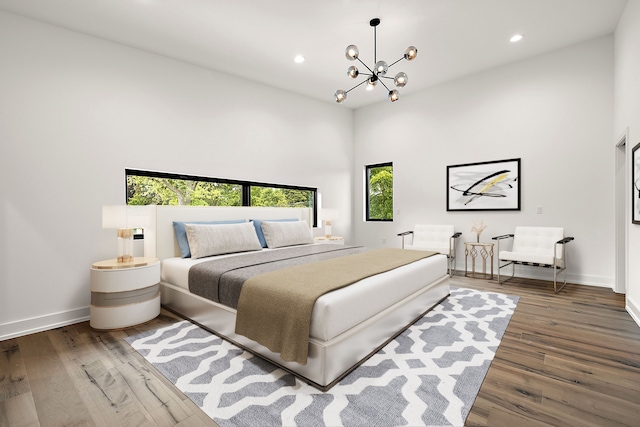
<point x="379" y="70"/>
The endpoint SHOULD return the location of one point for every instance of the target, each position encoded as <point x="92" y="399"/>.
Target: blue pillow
<point x="181" y="233"/>
<point x="257" y="223"/>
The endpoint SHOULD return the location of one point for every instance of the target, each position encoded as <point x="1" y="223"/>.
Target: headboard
<point x="162" y="241"/>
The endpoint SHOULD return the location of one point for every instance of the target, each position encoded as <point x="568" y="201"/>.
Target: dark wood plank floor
<point x="571" y="359"/>
<point x="567" y="359"/>
<point x="76" y="376"/>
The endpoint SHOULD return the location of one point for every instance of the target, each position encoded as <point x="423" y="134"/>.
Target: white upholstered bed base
<point x="328" y="360"/>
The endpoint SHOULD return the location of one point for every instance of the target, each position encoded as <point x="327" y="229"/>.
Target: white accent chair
<point x="535" y="246"/>
<point x="438" y="238"/>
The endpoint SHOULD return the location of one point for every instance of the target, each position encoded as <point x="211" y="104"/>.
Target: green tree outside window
<point x="380" y="192"/>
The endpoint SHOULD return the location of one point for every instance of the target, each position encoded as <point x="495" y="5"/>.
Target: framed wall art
<point x="635" y="184"/>
<point x="485" y="186"/>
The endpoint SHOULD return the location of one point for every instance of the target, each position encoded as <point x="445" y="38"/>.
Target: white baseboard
<point x="633" y="309"/>
<point x="43" y="323"/>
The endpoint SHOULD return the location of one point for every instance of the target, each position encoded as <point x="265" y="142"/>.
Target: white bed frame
<point x="328" y="361"/>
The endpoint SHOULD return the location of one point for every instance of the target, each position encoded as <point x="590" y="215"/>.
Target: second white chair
<point x="535" y="246"/>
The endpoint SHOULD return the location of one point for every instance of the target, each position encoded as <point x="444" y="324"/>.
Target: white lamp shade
<point x="123" y="216"/>
<point x="114" y="216"/>
<point x="329" y="214"/>
<point x="138" y="216"/>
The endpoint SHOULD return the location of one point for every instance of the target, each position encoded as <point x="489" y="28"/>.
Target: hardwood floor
<point x="75" y="376"/>
<point x="571" y="359"/>
<point x="567" y="359"/>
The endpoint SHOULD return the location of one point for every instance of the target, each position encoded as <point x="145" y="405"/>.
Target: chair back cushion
<point x="537" y="242"/>
<point x="432" y="238"/>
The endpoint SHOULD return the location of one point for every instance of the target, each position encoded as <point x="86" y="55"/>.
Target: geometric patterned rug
<point x="428" y="376"/>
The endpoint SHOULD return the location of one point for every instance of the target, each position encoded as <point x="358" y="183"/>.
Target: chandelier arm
<point x="359" y="84"/>
<point x="385" y="86"/>
<point x="395" y="62"/>
<point x="370" y="70"/>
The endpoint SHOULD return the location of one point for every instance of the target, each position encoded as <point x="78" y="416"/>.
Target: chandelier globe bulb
<point x="353" y="72"/>
<point x="340" y="96"/>
<point x="411" y="53"/>
<point x="401" y="79"/>
<point x="372" y="82"/>
<point x="381" y="68"/>
<point x="351" y="52"/>
<point x="393" y="95"/>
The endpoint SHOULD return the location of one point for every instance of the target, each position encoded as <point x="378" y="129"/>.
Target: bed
<point x="347" y="325"/>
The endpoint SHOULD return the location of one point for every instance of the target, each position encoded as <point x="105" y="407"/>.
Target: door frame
<point x="621" y="171"/>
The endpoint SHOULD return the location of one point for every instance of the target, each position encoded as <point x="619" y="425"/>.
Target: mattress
<point x="340" y="310"/>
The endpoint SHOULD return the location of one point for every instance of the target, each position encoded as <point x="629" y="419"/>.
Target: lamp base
<point x="327" y="229"/>
<point x="125" y="245"/>
<point x="125" y="258"/>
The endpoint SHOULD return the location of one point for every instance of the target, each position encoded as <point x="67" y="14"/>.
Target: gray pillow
<point x="279" y="234"/>
<point x="216" y="239"/>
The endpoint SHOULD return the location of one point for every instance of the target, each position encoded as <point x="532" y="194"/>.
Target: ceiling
<point x="258" y="39"/>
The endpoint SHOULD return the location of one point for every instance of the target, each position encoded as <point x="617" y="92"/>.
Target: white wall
<point x="553" y="111"/>
<point x="627" y="117"/>
<point x="75" y="111"/>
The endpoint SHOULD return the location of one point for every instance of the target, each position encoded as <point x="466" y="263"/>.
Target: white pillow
<point x="215" y="239"/>
<point x="279" y="234"/>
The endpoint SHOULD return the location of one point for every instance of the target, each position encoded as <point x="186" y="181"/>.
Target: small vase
<point x="477" y="238"/>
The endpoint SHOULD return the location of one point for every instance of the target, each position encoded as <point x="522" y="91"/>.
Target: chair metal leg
<point x="513" y="271"/>
<point x="555" y="286"/>
<point x="452" y="260"/>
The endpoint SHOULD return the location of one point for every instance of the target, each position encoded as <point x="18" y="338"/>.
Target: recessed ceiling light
<point x="516" y="38"/>
<point x="299" y="59"/>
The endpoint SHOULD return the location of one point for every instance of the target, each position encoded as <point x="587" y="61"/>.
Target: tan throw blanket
<point x="275" y="308"/>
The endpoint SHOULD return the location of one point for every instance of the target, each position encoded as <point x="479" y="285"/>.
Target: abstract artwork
<point x="635" y="184"/>
<point x="485" y="186"/>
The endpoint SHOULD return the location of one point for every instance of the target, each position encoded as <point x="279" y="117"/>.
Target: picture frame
<point x="484" y="186"/>
<point x="635" y="184"/>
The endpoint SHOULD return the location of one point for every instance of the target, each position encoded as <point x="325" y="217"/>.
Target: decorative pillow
<point x="279" y="234"/>
<point x="215" y="239"/>
<point x="257" y="223"/>
<point x="181" y="234"/>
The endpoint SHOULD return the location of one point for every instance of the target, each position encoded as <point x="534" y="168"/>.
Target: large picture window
<point x="161" y="188"/>
<point x="379" y="192"/>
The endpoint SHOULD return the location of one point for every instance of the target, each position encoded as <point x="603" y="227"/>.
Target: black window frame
<point x="246" y="185"/>
<point x="367" y="169"/>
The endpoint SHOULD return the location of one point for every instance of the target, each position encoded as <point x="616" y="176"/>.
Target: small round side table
<point x="485" y="250"/>
<point x="124" y="294"/>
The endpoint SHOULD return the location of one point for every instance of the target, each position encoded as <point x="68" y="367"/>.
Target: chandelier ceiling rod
<point x="374" y="23"/>
<point x="379" y="70"/>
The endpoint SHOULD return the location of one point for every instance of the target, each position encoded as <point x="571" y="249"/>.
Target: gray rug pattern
<point x="428" y="376"/>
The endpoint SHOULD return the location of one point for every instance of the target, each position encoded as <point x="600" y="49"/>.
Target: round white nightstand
<point x="333" y="240"/>
<point x="124" y="294"/>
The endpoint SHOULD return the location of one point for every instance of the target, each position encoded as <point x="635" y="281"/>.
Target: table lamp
<point x="328" y="215"/>
<point x="115" y="216"/>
